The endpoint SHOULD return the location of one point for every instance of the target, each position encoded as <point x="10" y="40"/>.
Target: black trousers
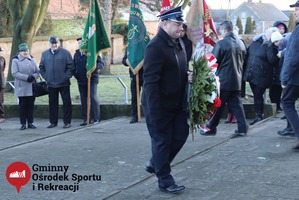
<point x="289" y="96"/>
<point x="134" y="96"/>
<point x="2" y="113"/>
<point x="243" y="89"/>
<point x="54" y="104"/>
<point x="166" y="142"/>
<point x="233" y="101"/>
<point x="258" y="96"/>
<point x="94" y="102"/>
<point x="26" y="109"/>
<point x="275" y="94"/>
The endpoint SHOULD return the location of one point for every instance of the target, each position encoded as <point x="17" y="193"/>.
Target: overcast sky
<point x="280" y="4"/>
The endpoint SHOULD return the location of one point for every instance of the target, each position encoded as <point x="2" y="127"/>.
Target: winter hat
<point x="269" y="32"/>
<point x="276" y="36"/>
<point x="280" y="25"/>
<point x="53" y="39"/>
<point x="23" y="47"/>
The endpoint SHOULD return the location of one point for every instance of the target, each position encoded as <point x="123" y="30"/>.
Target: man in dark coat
<point x="56" y="67"/>
<point x="80" y="60"/>
<point x="133" y="87"/>
<point x="165" y="77"/>
<point x="290" y="78"/>
<point x="187" y="42"/>
<point x="230" y="54"/>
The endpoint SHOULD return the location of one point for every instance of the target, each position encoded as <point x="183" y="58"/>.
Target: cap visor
<point x="294" y="5"/>
<point x="176" y="20"/>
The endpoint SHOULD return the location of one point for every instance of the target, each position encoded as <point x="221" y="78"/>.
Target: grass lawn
<point x="110" y="90"/>
<point x="66" y="27"/>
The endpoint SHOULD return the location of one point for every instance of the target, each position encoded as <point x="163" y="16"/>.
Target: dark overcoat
<point x="230" y="53"/>
<point x="290" y="68"/>
<point x="165" y="77"/>
<point x="260" y="62"/>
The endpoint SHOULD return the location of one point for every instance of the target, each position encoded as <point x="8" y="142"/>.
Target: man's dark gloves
<point x="30" y="78"/>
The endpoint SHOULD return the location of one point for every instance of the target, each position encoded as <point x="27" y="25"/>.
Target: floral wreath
<point x="204" y="95"/>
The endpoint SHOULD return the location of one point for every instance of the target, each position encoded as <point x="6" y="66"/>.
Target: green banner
<point x="138" y="38"/>
<point x="94" y="37"/>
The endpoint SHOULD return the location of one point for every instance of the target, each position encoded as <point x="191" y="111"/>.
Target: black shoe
<point x="296" y="146"/>
<point x="23" y="127"/>
<point x="174" y="189"/>
<point x="133" y="120"/>
<point x="283" y="117"/>
<point x="286" y="132"/>
<point x="52" y="125"/>
<point x="96" y="121"/>
<point x="83" y="123"/>
<point x="149" y="167"/>
<point x="238" y="134"/>
<point x="31" y="126"/>
<point x="208" y="132"/>
<point x="257" y="119"/>
<point x="278" y="109"/>
<point x="67" y="125"/>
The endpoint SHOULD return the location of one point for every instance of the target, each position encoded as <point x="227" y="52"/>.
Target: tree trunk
<point x="27" y="16"/>
<point x="107" y="20"/>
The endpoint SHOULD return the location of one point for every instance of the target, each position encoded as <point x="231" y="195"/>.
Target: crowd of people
<point x="269" y="62"/>
<point x="56" y="67"/>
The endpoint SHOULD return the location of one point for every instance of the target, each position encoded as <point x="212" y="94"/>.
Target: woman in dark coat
<point x="261" y="57"/>
<point x="276" y="89"/>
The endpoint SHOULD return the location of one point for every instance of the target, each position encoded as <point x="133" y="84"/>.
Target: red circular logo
<point x="18" y="174"/>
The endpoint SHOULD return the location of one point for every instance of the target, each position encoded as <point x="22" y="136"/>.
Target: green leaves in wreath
<point x="202" y="88"/>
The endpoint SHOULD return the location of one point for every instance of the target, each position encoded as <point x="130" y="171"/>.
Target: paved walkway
<point x="261" y="166"/>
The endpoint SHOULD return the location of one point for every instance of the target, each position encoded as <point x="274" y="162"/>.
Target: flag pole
<point x="138" y="96"/>
<point x="88" y="100"/>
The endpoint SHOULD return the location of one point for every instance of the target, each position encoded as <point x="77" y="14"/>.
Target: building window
<point x="243" y="15"/>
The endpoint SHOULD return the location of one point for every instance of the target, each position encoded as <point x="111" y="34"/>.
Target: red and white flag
<point x="201" y="29"/>
<point x="165" y="6"/>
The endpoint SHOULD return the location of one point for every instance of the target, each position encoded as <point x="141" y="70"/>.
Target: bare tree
<point x="5" y="20"/>
<point x="27" y="16"/>
<point x="107" y="20"/>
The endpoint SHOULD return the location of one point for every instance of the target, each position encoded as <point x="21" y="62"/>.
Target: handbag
<point x="40" y="88"/>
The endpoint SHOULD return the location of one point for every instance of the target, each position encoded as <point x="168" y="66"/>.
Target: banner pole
<point x="138" y="96"/>
<point x="88" y="100"/>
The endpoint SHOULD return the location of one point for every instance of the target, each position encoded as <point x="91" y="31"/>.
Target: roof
<point x="265" y="11"/>
<point x="287" y="12"/>
<point x="219" y="15"/>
